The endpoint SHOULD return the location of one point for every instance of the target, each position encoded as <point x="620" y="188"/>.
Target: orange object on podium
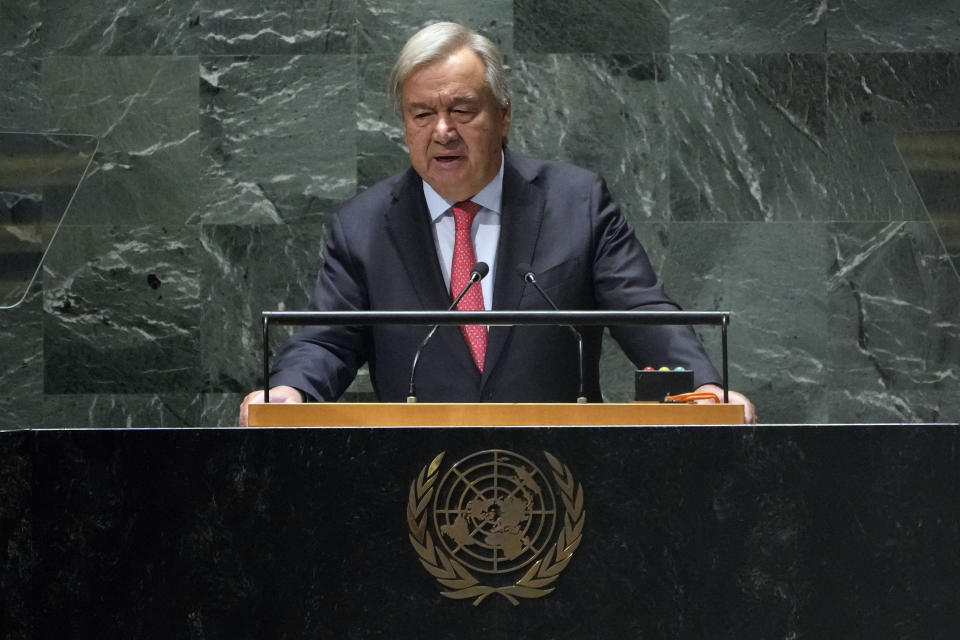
<point x="437" y="414"/>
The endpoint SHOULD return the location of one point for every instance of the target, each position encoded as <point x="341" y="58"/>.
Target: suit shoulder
<point x="554" y="173"/>
<point x="374" y="199"/>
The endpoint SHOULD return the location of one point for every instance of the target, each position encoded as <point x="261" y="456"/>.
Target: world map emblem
<point x="495" y="523"/>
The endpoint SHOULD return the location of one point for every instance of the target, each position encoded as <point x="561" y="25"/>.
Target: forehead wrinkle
<point x="469" y="98"/>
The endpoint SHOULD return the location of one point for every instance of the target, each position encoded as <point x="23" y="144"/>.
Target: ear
<point x="505" y="122"/>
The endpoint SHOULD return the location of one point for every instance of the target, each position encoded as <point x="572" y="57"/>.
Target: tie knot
<point x="465" y="210"/>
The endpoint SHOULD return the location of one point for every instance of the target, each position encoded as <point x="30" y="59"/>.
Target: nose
<point x="445" y="130"/>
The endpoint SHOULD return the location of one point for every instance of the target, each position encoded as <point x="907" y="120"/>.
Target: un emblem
<point x="495" y="513"/>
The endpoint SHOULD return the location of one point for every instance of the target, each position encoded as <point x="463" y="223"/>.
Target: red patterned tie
<point x="463" y="260"/>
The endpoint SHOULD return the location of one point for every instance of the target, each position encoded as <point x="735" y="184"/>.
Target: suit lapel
<point x="408" y="223"/>
<point x="520" y="220"/>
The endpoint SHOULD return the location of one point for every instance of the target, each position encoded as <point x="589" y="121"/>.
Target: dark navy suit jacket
<point x="558" y="218"/>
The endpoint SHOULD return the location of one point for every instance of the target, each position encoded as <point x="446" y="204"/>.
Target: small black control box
<point x="654" y="385"/>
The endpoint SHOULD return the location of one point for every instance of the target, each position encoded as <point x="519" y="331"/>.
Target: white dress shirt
<point x="485" y="231"/>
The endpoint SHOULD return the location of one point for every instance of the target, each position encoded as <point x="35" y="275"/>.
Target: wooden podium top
<point x="377" y="414"/>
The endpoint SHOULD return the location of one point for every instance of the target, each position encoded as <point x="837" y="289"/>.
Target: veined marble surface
<point x="893" y="25"/>
<point x="144" y="110"/>
<point x="753" y="146"/>
<point x="790" y="26"/>
<point x="748" y="138"/>
<point x="121" y="311"/>
<point x="872" y="98"/>
<point x="616" y="26"/>
<point x="557" y="115"/>
<point x="278" y="137"/>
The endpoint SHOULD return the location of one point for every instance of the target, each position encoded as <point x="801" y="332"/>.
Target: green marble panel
<point x="747" y="138"/>
<point x="21" y="24"/>
<point x="179" y="27"/>
<point x="21" y="104"/>
<point x="893" y="325"/>
<point x="21" y="363"/>
<point x="600" y="112"/>
<point x="771" y="278"/>
<point x="381" y="151"/>
<point x="247" y="269"/>
<point x="615" y="26"/>
<point x="220" y="409"/>
<point x="893" y="25"/>
<point x="384" y="25"/>
<point x="119" y="27"/>
<point x="285" y="27"/>
<point x="872" y="98"/>
<point x="748" y="26"/>
<point x="278" y="136"/>
<point x="145" y="112"/>
<point x="123" y="411"/>
<point x="122" y="311"/>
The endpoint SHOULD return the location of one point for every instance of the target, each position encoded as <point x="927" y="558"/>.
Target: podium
<point x="812" y="531"/>
<point x="385" y="414"/>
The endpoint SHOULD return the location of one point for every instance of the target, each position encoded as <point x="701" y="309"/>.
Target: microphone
<point x="525" y="271"/>
<point x="478" y="273"/>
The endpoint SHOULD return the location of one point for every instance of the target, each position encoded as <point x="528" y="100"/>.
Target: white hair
<point x="438" y="40"/>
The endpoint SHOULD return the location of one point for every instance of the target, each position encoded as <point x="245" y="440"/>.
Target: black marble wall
<point x="753" y="145"/>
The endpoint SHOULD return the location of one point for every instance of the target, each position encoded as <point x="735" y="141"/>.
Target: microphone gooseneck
<point x="478" y="273"/>
<point x="525" y="271"/>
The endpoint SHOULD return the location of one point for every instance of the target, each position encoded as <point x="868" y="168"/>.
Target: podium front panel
<point x="687" y="532"/>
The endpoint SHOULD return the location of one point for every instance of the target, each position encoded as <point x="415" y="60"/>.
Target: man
<point x="409" y="242"/>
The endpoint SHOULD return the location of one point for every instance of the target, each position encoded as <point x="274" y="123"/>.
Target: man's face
<point x="453" y="125"/>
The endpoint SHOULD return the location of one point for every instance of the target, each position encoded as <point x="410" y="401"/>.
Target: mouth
<point x="448" y="159"/>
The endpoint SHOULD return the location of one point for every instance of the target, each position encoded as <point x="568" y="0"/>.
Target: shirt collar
<point x="490" y="197"/>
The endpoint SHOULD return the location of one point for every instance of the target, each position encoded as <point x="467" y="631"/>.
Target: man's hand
<point x="749" y="413"/>
<point x="277" y="394"/>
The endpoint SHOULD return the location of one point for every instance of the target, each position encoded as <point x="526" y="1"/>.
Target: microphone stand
<point x="526" y="272"/>
<point x="478" y="273"/>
